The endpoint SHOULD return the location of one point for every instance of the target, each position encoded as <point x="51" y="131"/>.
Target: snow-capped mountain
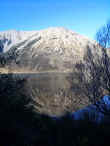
<point x="11" y="37"/>
<point x="55" y="48"/>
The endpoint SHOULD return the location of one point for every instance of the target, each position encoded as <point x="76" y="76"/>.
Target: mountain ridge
<point x="19" y="35"/>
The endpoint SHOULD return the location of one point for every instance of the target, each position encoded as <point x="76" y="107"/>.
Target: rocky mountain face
<point x="54" y="48"/>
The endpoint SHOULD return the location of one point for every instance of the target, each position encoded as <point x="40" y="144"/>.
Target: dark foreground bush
<point x="22" y="125"/>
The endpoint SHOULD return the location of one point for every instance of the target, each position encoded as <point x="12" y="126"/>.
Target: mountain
<point x="52" y="53"/>
<point x="55" y="48"/>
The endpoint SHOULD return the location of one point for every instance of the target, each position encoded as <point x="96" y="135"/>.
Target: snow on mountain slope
<point x="11" y="37"/>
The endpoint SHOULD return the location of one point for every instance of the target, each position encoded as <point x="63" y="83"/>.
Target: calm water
<point x="48" y="81"/>
<point x="52" y="91"/>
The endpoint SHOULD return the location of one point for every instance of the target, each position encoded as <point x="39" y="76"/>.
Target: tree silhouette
<point x="94" y="71"/>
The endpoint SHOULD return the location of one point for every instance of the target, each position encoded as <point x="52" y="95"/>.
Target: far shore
<point x="26" y="71"/>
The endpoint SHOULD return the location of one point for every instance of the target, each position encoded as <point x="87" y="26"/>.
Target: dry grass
<point x="6" y="70"/>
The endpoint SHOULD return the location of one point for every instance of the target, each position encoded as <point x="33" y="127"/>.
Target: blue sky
<point x="82" y="16"/>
